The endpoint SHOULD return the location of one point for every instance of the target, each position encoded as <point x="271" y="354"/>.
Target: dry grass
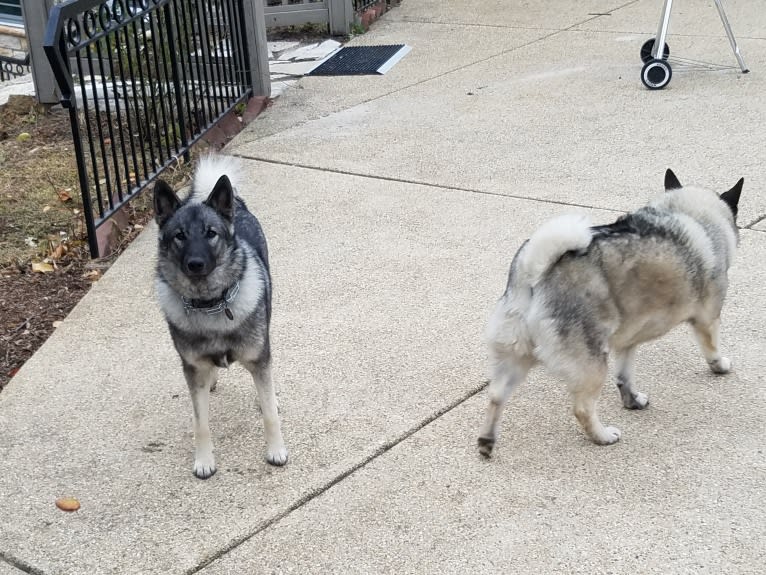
<point x="39" y="195"/>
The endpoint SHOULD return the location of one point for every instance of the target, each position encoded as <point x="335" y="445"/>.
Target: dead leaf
<point x="67" y="504"/>
<point x="76" y="212"/>
<point x="46" y="209"/>
<point x="92" y="275"/>
<point x="64" y="195"/>
<point x="13" y="372"/>
<point x="42" y="267"/>
<point x="107" y="141"/>
<point x="59" y="252"/>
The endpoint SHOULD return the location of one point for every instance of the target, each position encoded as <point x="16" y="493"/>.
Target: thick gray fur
<point x="214" y="287"/>
<point x="578" y="292"/>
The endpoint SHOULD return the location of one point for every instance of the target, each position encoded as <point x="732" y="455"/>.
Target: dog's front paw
<point x="721" y="365"/>
<point x="204" y="466"/>
<point x="277" y="457"/>
<point x="608" y="436"/>
<point x="486" y="444"/>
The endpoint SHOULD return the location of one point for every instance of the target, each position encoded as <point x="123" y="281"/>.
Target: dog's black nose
<point x="195" y="265"/>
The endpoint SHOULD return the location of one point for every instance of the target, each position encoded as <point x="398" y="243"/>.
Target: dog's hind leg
<point x="276" y="453"/>
<point x="507" y="373"/>
<point x="707" y="337"/>
<point x="199" y="378"/>
<point x="585" y="387"/>
<point x="630" y="399"/>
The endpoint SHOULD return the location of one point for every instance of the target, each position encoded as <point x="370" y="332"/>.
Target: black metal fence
<point x="13" y="67"/>
<point x="143" y="81"/>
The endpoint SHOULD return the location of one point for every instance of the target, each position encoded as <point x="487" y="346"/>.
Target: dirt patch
<point x="32" y="303"/>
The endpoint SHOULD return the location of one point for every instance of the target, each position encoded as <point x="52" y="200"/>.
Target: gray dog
<point x="576" y="293"/>
<point x="214" y="288"/>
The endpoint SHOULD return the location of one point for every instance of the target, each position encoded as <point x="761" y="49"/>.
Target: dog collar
<point x="213" y="306"/>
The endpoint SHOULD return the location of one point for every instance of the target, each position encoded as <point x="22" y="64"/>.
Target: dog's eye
<point x="180" y="236"/>
<point x="211" y="233"/>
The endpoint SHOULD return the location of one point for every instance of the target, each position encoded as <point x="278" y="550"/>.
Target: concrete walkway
<point x="393" y="206"/>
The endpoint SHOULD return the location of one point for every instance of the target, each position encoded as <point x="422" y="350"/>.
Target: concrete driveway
<point x="393" y="206"/>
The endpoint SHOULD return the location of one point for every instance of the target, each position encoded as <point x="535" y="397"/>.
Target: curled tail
<point x="508" y="330"/>
<point x="212" y="167"/>
<point x="551" y="241"/>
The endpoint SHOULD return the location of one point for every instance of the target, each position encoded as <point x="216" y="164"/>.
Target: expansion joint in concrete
<point x="20" y="565"/>
<point x="335" y="480"/>
<point x="551" y="33"/>
<point x="427" y="184"/>
<point x="755" y="222"/>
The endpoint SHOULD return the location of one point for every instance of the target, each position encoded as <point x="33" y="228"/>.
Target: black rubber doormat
<point x="358" y="60"/>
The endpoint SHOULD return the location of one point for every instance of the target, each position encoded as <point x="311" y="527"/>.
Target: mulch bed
<point x="31" y="303"/>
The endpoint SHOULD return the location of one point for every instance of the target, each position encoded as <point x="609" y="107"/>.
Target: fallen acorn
<point x="67" y="504"/>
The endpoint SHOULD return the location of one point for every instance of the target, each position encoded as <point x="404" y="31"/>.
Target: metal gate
<point x="338" y="14"/>
<point x="295" y="12"/>
<point x="143" y="81"/>
<point x="13" y="67"/>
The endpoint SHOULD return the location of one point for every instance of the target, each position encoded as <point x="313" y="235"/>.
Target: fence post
<point x="257" y="47"/>
<point x="341" y="16"/>
<point x="35" y="21"/>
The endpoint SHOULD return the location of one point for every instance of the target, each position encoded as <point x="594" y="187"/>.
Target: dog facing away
<point x="214" y="287"/>
<point x="577" y="292"/>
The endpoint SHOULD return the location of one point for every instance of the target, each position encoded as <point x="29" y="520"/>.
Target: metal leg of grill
<point x="730" y="34"/>
<point x="662" y="31"/>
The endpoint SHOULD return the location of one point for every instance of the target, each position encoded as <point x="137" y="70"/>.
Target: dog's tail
<point x="508" y="329"/>
<point x="551" y="241"/>
<point x="210" y="168"/>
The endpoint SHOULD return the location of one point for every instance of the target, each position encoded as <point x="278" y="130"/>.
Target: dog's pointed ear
<point x="221" y="199"/>
<point x="671" y="182"/>
<point x="732" y="196"/>
<point x="166" y="202"/>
